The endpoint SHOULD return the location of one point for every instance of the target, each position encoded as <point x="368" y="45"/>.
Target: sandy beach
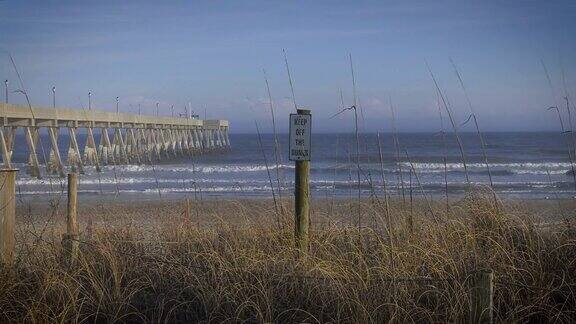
<point x="151" y="213"/>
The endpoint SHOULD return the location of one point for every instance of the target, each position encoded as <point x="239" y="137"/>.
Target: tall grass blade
<point x="478" y="132"/>
<point x="277" y="150"/>
<point x="397" y="149"/>
<point x="357" y="140"/>
<point x="453" y="122"/>
<point x="268" y="172"/>
<point x="290" y="79"/>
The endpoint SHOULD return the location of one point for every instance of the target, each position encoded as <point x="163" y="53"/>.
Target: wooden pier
<point x="111" y="138"/>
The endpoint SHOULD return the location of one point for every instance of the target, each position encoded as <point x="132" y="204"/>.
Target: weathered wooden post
<point x="481" y="297"/>
<point x="7" y="215"/>
<point x="186" y="210"/>
<point x="300" y="128"/>
<point x="70" y="239"/>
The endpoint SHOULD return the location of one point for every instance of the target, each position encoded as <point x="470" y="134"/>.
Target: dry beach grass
<point x="144" y="261"/>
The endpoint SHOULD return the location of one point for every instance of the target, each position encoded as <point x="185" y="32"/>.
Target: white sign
<point x="300" y="128"/>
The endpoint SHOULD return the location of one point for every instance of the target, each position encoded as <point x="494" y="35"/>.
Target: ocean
<point x="523" y="165"/>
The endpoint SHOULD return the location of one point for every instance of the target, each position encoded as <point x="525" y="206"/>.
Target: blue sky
<point x="211" y="54"/>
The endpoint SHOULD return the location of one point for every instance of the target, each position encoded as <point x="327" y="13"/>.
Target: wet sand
<point x="208" y="212"/>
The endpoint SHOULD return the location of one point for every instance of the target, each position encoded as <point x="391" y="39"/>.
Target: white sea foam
<point x="518" y="165"/>
<point x="197" y="168"/>
<point x="126" y="180"/>
<point x="262" y="187"/>
<point x="211" y="189"/>
<point x="536" y="168"/>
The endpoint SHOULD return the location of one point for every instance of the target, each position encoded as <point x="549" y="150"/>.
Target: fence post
<point x="187" y="210"/>
<point x="7" y="215"/>
<point x="70" y="239"/>
<point x="481" y="297"/>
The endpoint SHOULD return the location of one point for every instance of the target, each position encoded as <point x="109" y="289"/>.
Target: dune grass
<point x="233" y="263"/>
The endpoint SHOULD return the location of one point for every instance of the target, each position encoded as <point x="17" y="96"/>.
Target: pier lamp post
<point x="157" y="104"/>
<point x="172" y="109"/>
<point x="117" y="109"/>
<point x="53" y="97"/>
<point x="139" y="110"/>
<point x="89" y="100"/>
<point x="6" y="88"/>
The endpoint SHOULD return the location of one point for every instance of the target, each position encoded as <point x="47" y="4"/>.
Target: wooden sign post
<point x="300" y="134"/>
